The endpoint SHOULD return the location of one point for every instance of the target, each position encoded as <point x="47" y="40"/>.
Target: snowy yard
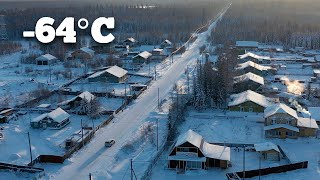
<point x="15" y="149"/>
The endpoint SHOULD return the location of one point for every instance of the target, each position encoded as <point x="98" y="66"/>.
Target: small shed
<point x="268" y="151"/>
<point x="166" y="44"/>
<point x="46" y="59"/>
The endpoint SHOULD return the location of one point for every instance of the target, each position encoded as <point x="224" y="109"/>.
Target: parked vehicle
<point x="109" y="143"/>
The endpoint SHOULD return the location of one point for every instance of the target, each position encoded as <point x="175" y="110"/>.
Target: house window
<point x="183" y="149"/>
<point x="241" y="109"/>
<point x="194" y="165"/>
<point x="250" y="109"/>
<point x="273" y="121"/>
<point x="288" y="121"/>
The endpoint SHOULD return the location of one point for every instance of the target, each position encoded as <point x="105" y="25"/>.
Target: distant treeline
<point x="288" y="22"/>
<point x="150" y="24"/>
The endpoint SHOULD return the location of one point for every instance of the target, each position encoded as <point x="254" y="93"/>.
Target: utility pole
<point x="89" y="176"/>
<point x="188" y="79"/>
<point x="157" y="134"/>
<point x="82" y="133"/>
<point x="158" y="99"/>
<point x="244" y="162"/>
<point x="155" y="72"/>
<point x="260" y="167"/>
<point x="30" y="148"/>
<point x="131" y="169"/>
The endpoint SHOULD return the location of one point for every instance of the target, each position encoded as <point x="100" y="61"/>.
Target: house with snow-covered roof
<point x="143" y="57"/>
<point x="281" y="121"/>
<point x="253" y="57"/>
<point x="76" y="101"/>
<point x="83" y="53"/>
<point x="248" y="81"/>
<point x="113" y="74"/>
<point x="268" y="150"/>
<point x="166" y="44"/>
<point x="249" y="101"/>
<point x="250" y="66"/>
<point x="56" y="119"/>
<point x="191" y="151"/>
<point x="46" y="59"/>
<point x="131" y="42"/>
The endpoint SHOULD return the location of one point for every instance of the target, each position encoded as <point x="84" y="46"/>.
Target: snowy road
<point x="95" y="158"/>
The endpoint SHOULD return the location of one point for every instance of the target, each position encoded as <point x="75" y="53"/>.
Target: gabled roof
<point x="207" y="149"/>
<point x="131" y="39"/>
<point x="144" y="55"/>
<point x="255" y="56"/>
<point x="58" y="115"/>
<point x="253" y="44"/>
<point x="39" y="118"/>
<point x="252" y="64"/>
<point x="167" y="42"/>
<point x="307" y="123"/>
<point x="280" y="108"/>
<point x="86" y="95"/>
<point x="237" y="99"/>
<point x="191" y="137"/>
<point x="267" y="146"/>
<point x="87" y="50"/>
<point x="117" y="71"/>
<point x="277" y="126"/>
<point x="48" y="57"/>
<point x="249" y="77"/>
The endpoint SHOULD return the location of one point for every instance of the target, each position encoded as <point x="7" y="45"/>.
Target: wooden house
<point x="249" y="101"/>
<point x="83" y="53"/>
<point x="268" y="150"/>
<point x="46" y="59"/>
<point x="191" y="152"/>
<point x="248" y="81"/>
<point x="255" y="68"/>
<point x="143" y="57"/>
<point x="281" y="121"/>
<point x="56" y="119"/>
<point x="113" y="74"/>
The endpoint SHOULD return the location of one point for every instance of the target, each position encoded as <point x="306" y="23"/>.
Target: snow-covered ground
<point x="15" y="149"/>
<point x="105" y="162"/>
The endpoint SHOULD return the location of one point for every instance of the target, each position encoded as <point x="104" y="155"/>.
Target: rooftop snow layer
<point x="117" y="71"/>
<point x="267" y="146"/>
<point x="254" y="65"/>
<point x="279" y="108"/>
<point x="48" y="57"/>
<point x="144" y="55"/>
<point x="255" y="56"/>
<point x="249" y="76"/>
<point x="252" y="96"/>
<point x="58" y="115"/>
<point x="307" y="122"/>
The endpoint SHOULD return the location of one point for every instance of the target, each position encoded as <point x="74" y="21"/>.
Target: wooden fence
<point x="272" y="170"/>
<point x="13" y="167"/>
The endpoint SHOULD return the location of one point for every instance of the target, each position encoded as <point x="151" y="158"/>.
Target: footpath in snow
<point x="94" y="157"/>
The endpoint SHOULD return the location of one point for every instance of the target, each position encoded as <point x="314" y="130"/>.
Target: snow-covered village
<point x="182" y="89"/>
